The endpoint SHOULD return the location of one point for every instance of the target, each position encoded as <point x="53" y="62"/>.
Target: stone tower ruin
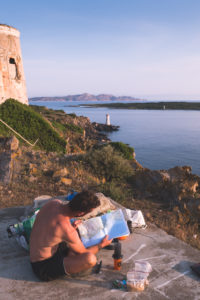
<point x="12" y="80"/>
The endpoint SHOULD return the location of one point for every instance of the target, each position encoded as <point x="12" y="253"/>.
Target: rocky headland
<point x="168" y="198"/>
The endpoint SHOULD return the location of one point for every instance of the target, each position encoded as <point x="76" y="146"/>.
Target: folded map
<point x="113" y="224"/>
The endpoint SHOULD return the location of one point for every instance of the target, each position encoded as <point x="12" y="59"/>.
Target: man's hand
<point x="76" y="223"/>
<point x="105" y="242"/>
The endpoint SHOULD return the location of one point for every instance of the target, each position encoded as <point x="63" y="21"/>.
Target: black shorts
<point x="53" y="267"/>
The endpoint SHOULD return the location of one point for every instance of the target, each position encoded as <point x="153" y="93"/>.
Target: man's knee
<point x="91" y="259"/>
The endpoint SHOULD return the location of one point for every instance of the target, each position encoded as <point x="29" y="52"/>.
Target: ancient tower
<point x="12" y="81"/>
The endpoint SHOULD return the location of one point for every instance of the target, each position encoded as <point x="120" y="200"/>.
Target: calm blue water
<point x="161" y="139"/>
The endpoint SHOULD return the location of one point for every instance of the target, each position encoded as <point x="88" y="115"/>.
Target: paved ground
<point x="170" y="258"/>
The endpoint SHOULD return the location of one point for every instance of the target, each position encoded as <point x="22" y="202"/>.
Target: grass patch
<point x="59" y="126"/>
<point x="31" y="125"/>
<point x="74" y="128"/>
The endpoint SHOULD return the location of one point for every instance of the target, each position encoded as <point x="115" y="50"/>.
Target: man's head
<point x="83" y="203"/>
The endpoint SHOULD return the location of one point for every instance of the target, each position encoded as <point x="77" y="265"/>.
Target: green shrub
<point x="58" y="126"/>
<point x="108" y="164"/>
<point x="31" y="125"/>
<point x="64" y="127"/>
<point x="74" y="128"/>
<point x="47" y="111"/>
<point x="38" y="108"/>
<point x="73" y="115"/>
<point x="116" y="191"/>
<point x="60" y="111"/>
<point x="124" y="149"/>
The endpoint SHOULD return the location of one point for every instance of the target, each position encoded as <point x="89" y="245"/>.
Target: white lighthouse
<point x="108" y="119"/>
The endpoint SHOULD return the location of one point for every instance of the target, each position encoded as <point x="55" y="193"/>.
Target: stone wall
<point x="12" y="80"/>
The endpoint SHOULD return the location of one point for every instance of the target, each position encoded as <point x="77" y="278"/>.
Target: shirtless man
<point x="55" y="246"/>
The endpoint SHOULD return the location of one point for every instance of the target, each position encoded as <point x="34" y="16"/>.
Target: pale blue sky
<point x="145" y="48"/>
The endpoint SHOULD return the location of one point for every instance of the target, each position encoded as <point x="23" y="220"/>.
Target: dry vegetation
<point x="101" y="168"/>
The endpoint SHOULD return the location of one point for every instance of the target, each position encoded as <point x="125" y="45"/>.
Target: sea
<point x="162" y="139"/>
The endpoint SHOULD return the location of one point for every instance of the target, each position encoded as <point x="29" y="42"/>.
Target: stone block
<point x="61" y="173"/>
<point x="9" y="143"/>
<point x="66" y="181"/>
<point x="5" y="167"/>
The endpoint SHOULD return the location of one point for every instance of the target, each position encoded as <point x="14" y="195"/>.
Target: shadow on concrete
<point x="91" y="283"/>
<point x="15" y="263"/>
<point x="184" y="267"/>
<point x="24" y="273"/>
<point x="104" y="279"/>
<point x="12" y="212"/>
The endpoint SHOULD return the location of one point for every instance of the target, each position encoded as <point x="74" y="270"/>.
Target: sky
<point x="141" y="48"/>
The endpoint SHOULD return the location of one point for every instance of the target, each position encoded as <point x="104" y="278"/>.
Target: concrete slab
<point x="170" y="258"/>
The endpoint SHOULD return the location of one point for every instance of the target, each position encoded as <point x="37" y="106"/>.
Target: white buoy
<point x="108" y="119"/>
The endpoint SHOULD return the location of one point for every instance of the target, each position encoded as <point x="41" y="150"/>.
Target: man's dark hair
<point x="84" y="202"/>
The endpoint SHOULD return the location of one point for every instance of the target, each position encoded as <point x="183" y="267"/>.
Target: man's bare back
<point x="48" y="231"/>
<point x="52" y="227"/>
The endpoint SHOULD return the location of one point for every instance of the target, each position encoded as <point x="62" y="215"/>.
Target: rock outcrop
<point x="8" y="151"/>
<point x="174" y="187"/>
<point x="104" y="127"/>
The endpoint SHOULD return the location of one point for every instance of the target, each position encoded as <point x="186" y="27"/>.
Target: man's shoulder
<point x="58" y="201"/>
<point x="54" y="202"/>
<point x="52" y="205"/>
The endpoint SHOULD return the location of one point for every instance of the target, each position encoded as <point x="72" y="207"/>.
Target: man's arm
<point x="70" y="235"/>
<point x="75" y="244"/>
<point x="105" y="242"/>
<point x="78" y="246"/>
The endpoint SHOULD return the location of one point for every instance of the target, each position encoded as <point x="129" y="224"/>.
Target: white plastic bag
<point x="136" y="217"/>
<point x="143" y="267"/>
<point x="137" y="278"/>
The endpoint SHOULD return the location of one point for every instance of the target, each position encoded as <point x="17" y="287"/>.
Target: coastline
<point x="150" y="105"/>
<point x="168" y="198"/>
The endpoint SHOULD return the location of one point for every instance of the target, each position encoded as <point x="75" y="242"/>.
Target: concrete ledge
<point x="170" y="258"/>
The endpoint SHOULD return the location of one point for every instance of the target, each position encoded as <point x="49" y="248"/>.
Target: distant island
<point x="85" y="97"/>
<point x="152" y="105"/>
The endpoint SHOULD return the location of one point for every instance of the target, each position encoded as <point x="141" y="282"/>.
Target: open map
<point x="95" y="229"/>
